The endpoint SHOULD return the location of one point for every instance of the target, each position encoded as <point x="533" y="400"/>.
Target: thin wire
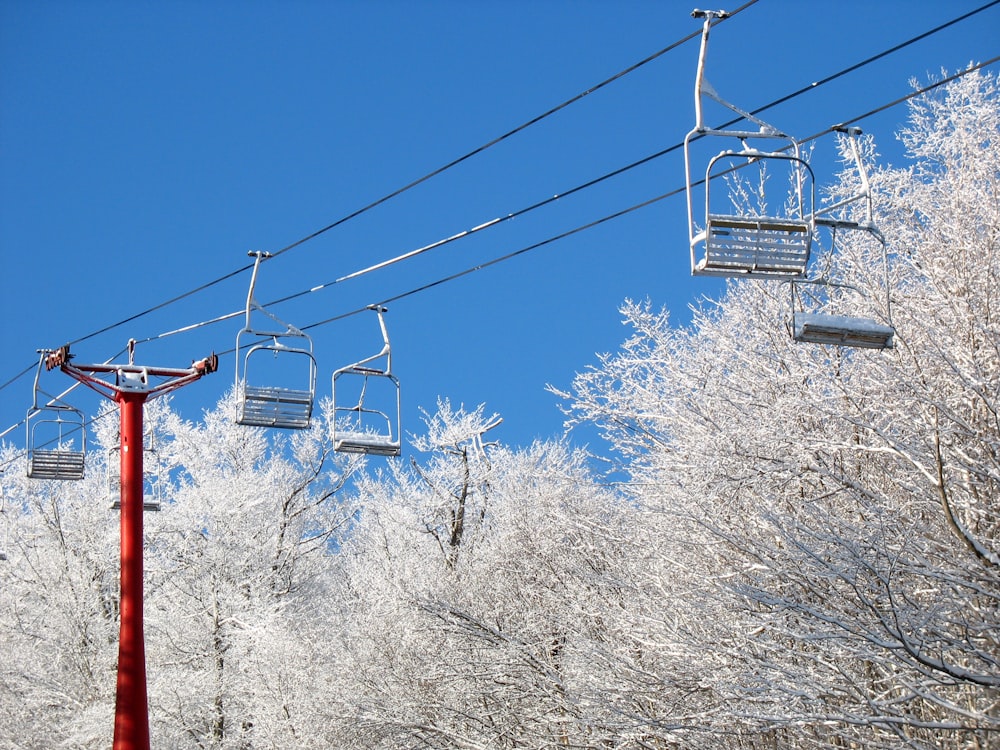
<point x="563" y="235"/>
<point x="532" y="207"/>
<point x="399" y="191"/>
<point x="482" y="148"/>
<point x="872" y="59"/>
<point x="918" y="92"/>
<point x="508" y="134"/>
<point x="19" y="375"/>
<point x="495" y="261"/>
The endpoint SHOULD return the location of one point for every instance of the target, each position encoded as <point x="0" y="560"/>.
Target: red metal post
<point x="131" y="709"/>
<point x="130" y="386"/>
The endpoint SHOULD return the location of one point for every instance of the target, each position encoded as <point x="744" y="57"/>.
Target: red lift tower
<point x="131" y="386"/>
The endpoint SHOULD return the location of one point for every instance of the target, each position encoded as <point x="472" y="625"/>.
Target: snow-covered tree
<point x="235" y="566"/>
<point x="841" y="506"/>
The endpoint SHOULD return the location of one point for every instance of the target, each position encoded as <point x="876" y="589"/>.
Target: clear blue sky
<point x="146" y="147"/>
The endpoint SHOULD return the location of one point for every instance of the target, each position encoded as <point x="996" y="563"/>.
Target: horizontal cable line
<point x="495" y="261"/>
<point x="550" y="240"/>
<point x="399" y="191"/>
<point x="521" y="212"/>
<point x="555" y="238"/>
<point x="499" y="139"/>
<point x="873" y="58"/>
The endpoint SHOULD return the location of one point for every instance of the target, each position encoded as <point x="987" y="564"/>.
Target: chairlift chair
<point x="50" y="425"/>
<point x="152" y="495"/>
<point x="820" y="326"/>
<point x="362" y="427"/>
<point x="273" y="405"/>
<point x="740" y="244"/>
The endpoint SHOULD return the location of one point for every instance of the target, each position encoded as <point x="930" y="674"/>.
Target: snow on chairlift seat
<point x="844" y="330"/>
<point x="366" y="442"/>
<point x="841" y="330"/>
<point x="753" y="246"/>
<point x="370" y="430"/>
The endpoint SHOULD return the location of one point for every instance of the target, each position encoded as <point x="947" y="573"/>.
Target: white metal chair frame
<point x="59" y="461"/>
<point x="152" y="501"/>
<point x="746" y="246"/>
<point x="272" y="406"/>
<point x="844" y="330"/>
<point x="360" y="440"/>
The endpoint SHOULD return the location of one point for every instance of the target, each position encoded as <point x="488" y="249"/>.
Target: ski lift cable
<point x="555" y="238"/>
<point x="521" y="212"/>
<point x="533" y="121"/>
<point x="869" y="60"/>
<point x="486" y="225"/>
<point x="495" y="141"/>
<point x="542" y="203"/>
<point x="497" y="260"/>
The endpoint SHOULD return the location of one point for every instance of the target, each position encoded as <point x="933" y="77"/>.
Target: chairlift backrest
<point x="369" y="423"/>
<point x="280" y="396"/>
<point x="743" y="244"/>
<point x="52" y="427"/>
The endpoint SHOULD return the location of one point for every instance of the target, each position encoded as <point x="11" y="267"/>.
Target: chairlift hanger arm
<point x="55" y="402"/>
<point x="703" y="88"/>
<point x="386" y="351"/>
<point x="821" y="216"/>
<point x="253" y="304"/>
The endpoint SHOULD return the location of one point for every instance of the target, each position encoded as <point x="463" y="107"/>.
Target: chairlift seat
<point x="841" y="330"/>
<point x="149" y="503"/>
<point x="756" y="247"/>
<point x="270" y="406"/>
<point x="55" y="464"/>
<point x="360" y="442"/>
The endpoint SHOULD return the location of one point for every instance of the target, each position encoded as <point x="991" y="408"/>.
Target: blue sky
<point x="146" y="147"/>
